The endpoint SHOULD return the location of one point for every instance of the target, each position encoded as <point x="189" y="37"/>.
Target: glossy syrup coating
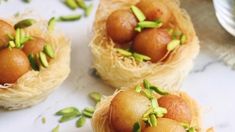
<point x="13" y="64"/>
<point x="121" y="26"/>
<point x="5" y="30"/>
<point x="165" y="125"/>
<point x="177" y="108"/>
<point x="34" y="46"/>
<point x="126" y="109"/>
<point x="152" y="43"/>
<point x="154" y="10"/>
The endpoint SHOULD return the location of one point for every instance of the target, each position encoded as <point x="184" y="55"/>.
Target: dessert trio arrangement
<point x="143" y="48"/>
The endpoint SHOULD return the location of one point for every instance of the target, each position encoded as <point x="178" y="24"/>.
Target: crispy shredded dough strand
<point x="34" y="87"/>
<point x="124" y="72"/>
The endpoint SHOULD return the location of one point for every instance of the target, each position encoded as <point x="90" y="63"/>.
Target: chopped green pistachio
<point x="70" y="116"/>
<point x="24" y="23"/>
<point x="138" y="88"/>
<point x="88" y="10"/>
<point x="123" y="52"/>
<point x="26" y="1"/>
<point x="140" y="57"/>
<point x="56" y="129"/>
<point x="95" y="96"/>
<point x="24" y="37"/>
<point x="160" y="112"/>
<point x="148" y="93"/>
<point x="43" y="59"/>
<point x="81" y="4"/>
<point x="43" y="120"/>
<point x="138" y="29"/>
<point x="51" y="24"/>
<point x="147" y="84"/>
<point x="191" y="129"/>
<point x="138" y="13"/>
<point x="183" y="39"/>
<point x="149" y="24"/>
<point x="90" y="109"/>
<point x="70" y="17"/>
<point x="148" y="112"/>
<point x="87" y="114"/>
<point x="33" y="62"/>
<point x="17" y="38"/>
<point x="48" y="50"/>
<point x="71" y="4"/>
<point x="67" y="110"/>
<point x="177" y="33"/>
<point x="136" y="127"/>
<point x="80" y="122"/>
<point x="154" y="103"/>
<point x="153" y="120"/>
<point x="11" y="44"/>
<point x="159" y="90"/>
<point x="173" y="44"/>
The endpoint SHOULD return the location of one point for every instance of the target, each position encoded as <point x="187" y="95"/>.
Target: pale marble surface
<point x="210" y="82"/>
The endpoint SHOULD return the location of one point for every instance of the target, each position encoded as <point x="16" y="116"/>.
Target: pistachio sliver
<point x="51" y="24"/>
<point x="11" y="44"/>
<point x="159" y="111"/>
<point x="56" y="129"/>
<point x="33" y="62"/>
<point x="173" y="44"/>
<point x="136" y="127"/>
<point x="88" y="10"/>
<point x="140" y="57"/>
<point x="17" y="37"/>
<point x="90" y="109"/>
<point x="24" y="23"/>
<point x="123" y="52"/>
<point x="138" y="29"/>
<point x="87" y="114"/>
<point x="70" y="17"/>
<point x="43" y="120"/>
<point x="183" y="39"/>
<point x="148" y="93"/>
<point x="71" y="4"/>
<point x="49" y="51"/>
<point x="147" y="84"/>
<point x="43" y="59"/>
<point x="159" y="90"/>
<point x="81" y="4"/>
<point x="138" y="13"/>
<point x="149" y="24"/>
<point x="69" y="116"/>
<point x="95" y="96"/>
<point x="80" y="122"/>
<point x="67" y="111"/>
<point x="153" y="120"/>
<point x="154" y="103"/>
<point x="138" y="88"/>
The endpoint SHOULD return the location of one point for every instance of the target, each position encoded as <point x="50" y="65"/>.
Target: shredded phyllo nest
<point x="34" y="86"/>
<point x="116" y="69"/>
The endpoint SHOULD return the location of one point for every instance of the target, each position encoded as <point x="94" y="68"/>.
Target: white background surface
<point x="210" y="82"/>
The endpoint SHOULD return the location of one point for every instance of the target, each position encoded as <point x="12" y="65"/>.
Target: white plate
<point x="211" y="83"/>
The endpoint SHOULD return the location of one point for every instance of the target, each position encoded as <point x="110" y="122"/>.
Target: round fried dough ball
<point x="154" y="10"/>
<point x="5" y="30"/>
<point x="13" y="64"/>
<point x="152" y="43"/>
<point x="177" y="108"/>
<point x="165" y="125"/>
<point x="126" y="109"/>
<point x="34" y="46"/>
<point x="121" y="26"/>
